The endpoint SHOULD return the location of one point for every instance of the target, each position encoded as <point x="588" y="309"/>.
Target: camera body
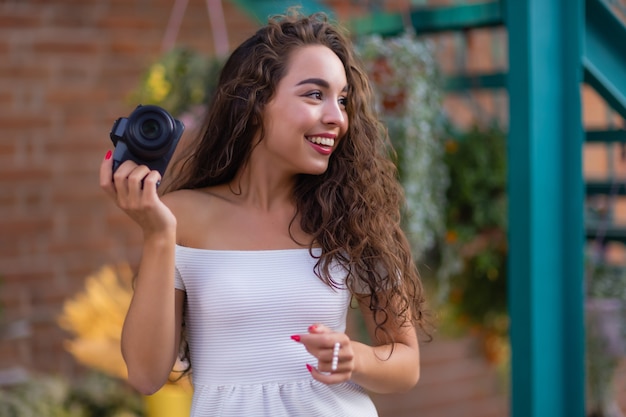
<point x="148" y="136"/>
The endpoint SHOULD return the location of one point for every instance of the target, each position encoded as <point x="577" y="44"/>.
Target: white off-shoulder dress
<point x="242" y="307"/>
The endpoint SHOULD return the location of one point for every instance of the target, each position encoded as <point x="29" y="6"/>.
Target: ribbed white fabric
<point x="242" y="308"/>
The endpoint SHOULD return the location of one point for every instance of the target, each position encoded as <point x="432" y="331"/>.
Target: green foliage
<point x="476" y="220"/>
<point x="41" y="397"/>
<point x="94" y="396"/>
<point x="477" y="193"/>
<point x="606" y="281"/>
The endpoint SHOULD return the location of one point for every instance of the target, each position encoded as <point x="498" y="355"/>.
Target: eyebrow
<point x="320" y="82"/>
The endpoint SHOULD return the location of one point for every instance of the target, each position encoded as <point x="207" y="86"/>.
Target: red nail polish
<point x="108" y="155"/>
<point x="295" y="337"/>
<point x="312" y="328"/>
<point x="309" y="367"/>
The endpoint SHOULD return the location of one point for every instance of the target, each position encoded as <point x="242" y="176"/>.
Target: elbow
<point x="143" y="383"/>
<point x="411" y="380"/>
<point x="414" y="380"/>
<point x="414" y="377"/>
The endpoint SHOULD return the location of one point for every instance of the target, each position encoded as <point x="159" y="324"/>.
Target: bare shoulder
<point x="195" y="211"/>
<point x="182" y="200"/>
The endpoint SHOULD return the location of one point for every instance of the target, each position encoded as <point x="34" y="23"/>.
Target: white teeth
<point x="322" y="141"/>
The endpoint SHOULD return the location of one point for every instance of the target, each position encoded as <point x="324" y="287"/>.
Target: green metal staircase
<point x="604" y="64"/>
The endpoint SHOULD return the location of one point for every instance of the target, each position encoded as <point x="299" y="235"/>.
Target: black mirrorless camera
<point x="148" y="136"/>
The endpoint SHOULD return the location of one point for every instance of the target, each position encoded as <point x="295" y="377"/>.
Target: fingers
<point x="129" y="183"/>
<point x="329" y="378"/>
<point x="335" y="357"/>
<point x="134" y="189"/>
<point x="132" y="186"/>
<point x="106" y="174"/>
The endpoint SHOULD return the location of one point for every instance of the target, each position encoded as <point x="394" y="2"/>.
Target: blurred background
<point x="69" y="68"/>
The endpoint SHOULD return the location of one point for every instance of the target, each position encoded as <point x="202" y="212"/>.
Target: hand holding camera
<point x="148" y="136"/>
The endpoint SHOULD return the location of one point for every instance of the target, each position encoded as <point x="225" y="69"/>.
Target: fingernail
<point x="108" y="155"/>
<point x="309" y="367"/>
<point x="312" y="328"/>
<point x="295" y="337"/>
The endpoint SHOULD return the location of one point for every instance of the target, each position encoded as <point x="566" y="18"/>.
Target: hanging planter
<point x="406" y="82"/>
<point x="181" y="81"/>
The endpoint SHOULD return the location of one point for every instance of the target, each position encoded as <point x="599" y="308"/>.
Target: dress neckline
<point x="316" y="250"/>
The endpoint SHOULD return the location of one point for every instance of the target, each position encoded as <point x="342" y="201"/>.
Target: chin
<point x="317" y="170"/>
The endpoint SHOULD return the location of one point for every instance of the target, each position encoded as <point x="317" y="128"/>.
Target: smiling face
<point x="306" y="118"/>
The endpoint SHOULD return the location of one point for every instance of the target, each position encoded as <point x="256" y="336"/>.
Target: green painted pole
<point x="546" y="230"/>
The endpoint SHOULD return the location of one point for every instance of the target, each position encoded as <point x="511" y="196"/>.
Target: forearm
<point x="149" y="333"/>
<point x="378" y="371"/>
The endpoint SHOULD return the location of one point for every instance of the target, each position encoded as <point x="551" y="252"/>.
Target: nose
<point x="334" y="114"/>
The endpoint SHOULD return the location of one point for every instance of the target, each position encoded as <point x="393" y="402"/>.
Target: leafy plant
<point x="407" y="86"/>
<point x="178" y="81"/>
<point x="95" y="395"/>
<point x="474" y="252"/>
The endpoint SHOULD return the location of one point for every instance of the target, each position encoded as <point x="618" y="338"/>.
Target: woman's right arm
<point x="151" y="332"/>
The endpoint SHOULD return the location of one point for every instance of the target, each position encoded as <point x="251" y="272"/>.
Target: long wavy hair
<point x="353" y="210"/>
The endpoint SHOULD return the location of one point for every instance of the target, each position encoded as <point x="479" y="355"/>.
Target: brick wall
<point x="66" y="69"/>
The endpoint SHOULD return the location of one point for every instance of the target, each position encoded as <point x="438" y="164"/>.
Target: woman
<point x="283" y="210"/>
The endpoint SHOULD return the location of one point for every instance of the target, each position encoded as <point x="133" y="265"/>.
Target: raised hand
<point x="134" y="189"/>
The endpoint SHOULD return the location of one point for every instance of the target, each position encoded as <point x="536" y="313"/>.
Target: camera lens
<point x="151" y="129"/>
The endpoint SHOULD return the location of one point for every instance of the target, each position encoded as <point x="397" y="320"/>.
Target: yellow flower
<point x="156" y="83"/>
<point x="96" y="316"/>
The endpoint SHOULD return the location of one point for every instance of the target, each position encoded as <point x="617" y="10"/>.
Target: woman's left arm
<point x="382" y="368"/>
<point x="385" y="368"/>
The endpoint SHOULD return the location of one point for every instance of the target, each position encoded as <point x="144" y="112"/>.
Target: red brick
<point x="18" y="20"/>
<point x="133" y="23"/>
<point x="24" y="121"/>
<point x="65" y="46"/>
<point x="22" y="72"/>
<point x="7" y="146"/>
<point x="24" y="226"/>
<point x="10" y="173"/>
<point x="75" y="95"/>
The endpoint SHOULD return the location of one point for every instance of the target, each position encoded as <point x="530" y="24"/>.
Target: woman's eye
<point x="343" y="101"/>
<point x="316" y="95"/>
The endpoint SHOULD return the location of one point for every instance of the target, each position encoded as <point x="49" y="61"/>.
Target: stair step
<point x="605" y="187"/>
<point x="612" y="233"/>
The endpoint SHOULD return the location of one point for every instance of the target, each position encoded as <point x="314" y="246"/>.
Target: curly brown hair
<point x="353" y="209"/>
